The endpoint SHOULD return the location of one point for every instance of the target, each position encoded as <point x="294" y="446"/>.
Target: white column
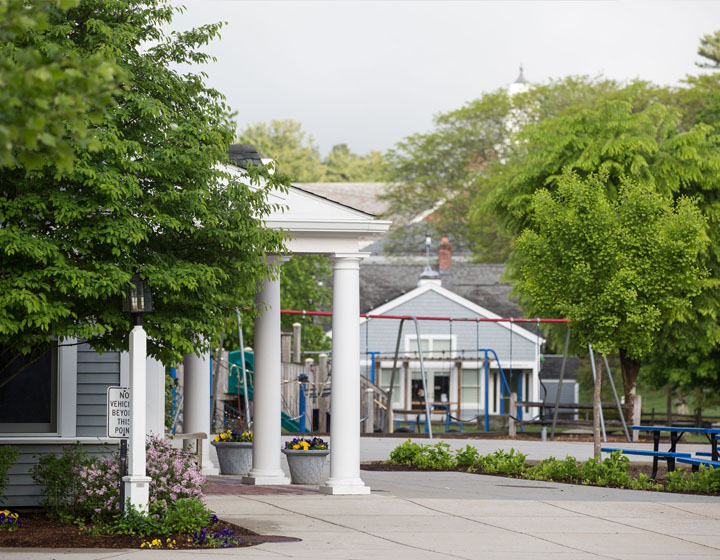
<point x="196" y="403"/>
<point x="266" y="467"/>
<point x="345" y="392"/>
<point x="137" y="484"/>
<point x="155" y="398"/>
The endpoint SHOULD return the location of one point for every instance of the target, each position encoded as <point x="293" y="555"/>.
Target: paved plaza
<point x="428" y="515"/>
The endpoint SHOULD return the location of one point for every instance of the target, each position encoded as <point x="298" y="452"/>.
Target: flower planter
<point x="306" y="467"/>
<point x="234" y="457"/>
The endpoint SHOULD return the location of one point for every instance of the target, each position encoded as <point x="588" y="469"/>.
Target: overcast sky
<point x="369" y="73"/>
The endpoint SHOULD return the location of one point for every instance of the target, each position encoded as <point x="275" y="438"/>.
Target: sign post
<point x="118" y="426"/>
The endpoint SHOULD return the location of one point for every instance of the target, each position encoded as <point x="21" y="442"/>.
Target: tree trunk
<point x="630" y="370"/>
<point x="597" y="403"/>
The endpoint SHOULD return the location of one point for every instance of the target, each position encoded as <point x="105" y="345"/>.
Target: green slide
<point x="235" y="384"/>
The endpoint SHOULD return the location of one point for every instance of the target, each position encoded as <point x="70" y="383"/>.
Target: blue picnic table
<point x="676" y="432"/>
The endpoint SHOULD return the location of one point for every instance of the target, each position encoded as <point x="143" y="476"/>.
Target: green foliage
<point x="51" y="93"/>
<point x="169" y="386"/>
<point x="344" y="166"/>
<point x="184" y="516"/>
<point x="467" y="457"/>
<point x="147" y="195"/>
<point x="502" y="462"/>
<point x="706" y="481"/>
<point x="293" y="150"/>
<point x="406" y="453"/>
<point x="307" y="285"/>
<point x="436" y="457"/>
<point x="457" y="166"/>
<point x="710" y="50"/>
<point x="59" y="477"/>
<point x="620" y="267"/>
<point x="565" y="470"/>
<point x="296" y="154"/>
<point x="8" y="456"/>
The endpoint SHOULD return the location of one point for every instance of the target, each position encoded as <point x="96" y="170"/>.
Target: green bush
<point x="436" y="457"/>
<point x="706" y="480"/>
<point x="566" y="470"/>
<point x="502" y="462"/>
<point x="468" y="457"/>
<point x="186" y="515"/>
<point x="406" y="453"/>
<point x="610" y="472"/>
<point x="59" y="475"/>
<point x="8" y="456"/>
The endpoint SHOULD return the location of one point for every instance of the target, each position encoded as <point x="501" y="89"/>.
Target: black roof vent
<point x="242" y="154"/>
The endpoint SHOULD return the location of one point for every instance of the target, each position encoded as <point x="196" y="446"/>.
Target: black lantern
<point x="138" y="299"/>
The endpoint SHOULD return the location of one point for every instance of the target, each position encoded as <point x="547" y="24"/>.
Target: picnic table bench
<point x="671" y="455"/>
<point x="695" y="462"/>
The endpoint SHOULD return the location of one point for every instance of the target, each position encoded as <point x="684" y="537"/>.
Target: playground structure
<point x="306" y="388"/>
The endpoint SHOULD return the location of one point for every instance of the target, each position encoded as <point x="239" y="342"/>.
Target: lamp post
<point x="138" y="300"/>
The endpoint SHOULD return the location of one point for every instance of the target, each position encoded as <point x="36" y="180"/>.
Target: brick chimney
<point x="444" y="256"/>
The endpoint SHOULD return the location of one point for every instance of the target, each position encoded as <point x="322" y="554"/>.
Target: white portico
<point x="316" y="225"/>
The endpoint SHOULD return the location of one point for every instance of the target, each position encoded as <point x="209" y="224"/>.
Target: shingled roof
<point x="383" y="279"/>
<point x="243" y="154"/>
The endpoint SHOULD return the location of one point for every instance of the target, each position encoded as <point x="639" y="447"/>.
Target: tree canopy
<point x="296" y="155"/>
<point x="149" y="196"/>
<point x="621" y="266"/>
<point x="48" y="87"/>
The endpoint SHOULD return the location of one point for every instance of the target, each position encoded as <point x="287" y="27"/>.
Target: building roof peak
<point x="521" y="77"/>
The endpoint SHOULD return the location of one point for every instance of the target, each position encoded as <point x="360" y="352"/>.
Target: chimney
<point x="444" y="256"/>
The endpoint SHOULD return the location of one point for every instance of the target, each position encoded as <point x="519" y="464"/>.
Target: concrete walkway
<point x="419" y="515"/>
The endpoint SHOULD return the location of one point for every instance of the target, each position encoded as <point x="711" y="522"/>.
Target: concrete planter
<point x="306" y="467"/>
<point x="235" y="457"/>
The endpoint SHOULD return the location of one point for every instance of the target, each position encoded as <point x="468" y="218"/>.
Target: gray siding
<point x="381" y="334"/>
<point x="22" y="491"/>
<point x="95" y="373"/>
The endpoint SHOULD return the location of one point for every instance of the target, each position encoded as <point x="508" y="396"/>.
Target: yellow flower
<point x="217" y="438"/>
<point x="296" y="446"/>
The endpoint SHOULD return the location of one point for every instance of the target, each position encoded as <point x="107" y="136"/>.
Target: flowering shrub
<point x="10" y="521"/>
<point x="174" y="475"/>
<point x="306" y="444"/>
<point x="233" y="436"/>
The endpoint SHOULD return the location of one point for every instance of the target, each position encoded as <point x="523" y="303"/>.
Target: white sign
<point x="118" y="412"/>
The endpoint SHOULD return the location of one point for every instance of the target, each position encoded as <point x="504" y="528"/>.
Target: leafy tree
<point x="290" y="146"/>
<point x="455" y="167"/>
<point x="306" y="282"/>
<point x="150" y="198"/>
<point x="620" y="266"/>
<point x="710" y="50"/>
<point x="344" y="166"/>
<point x="48" y="87"/>
<point x="630" y="137"/>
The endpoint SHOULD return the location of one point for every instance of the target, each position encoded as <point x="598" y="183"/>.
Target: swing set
<point x="488" y="354"/>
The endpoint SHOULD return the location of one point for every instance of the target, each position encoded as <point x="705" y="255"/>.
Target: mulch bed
<point x="40" y="532"/>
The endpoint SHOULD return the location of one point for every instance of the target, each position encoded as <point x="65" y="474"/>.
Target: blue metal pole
<point x="301" y="408"/>
<point x="487" y="390"/>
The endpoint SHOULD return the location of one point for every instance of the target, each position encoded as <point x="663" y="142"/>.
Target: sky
<point x="370" y="73"/>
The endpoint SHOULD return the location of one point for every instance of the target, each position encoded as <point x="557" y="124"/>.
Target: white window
<point x="432" y="346"/>
<point x="385" y="374"/>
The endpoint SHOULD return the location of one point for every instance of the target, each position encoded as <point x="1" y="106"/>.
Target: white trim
<point x="124" y="369"/>
<point x="45" y="439"/>
<point x="67" y="387"/>
<point x="431" y="338"/>
<point x="452" y="296"/>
